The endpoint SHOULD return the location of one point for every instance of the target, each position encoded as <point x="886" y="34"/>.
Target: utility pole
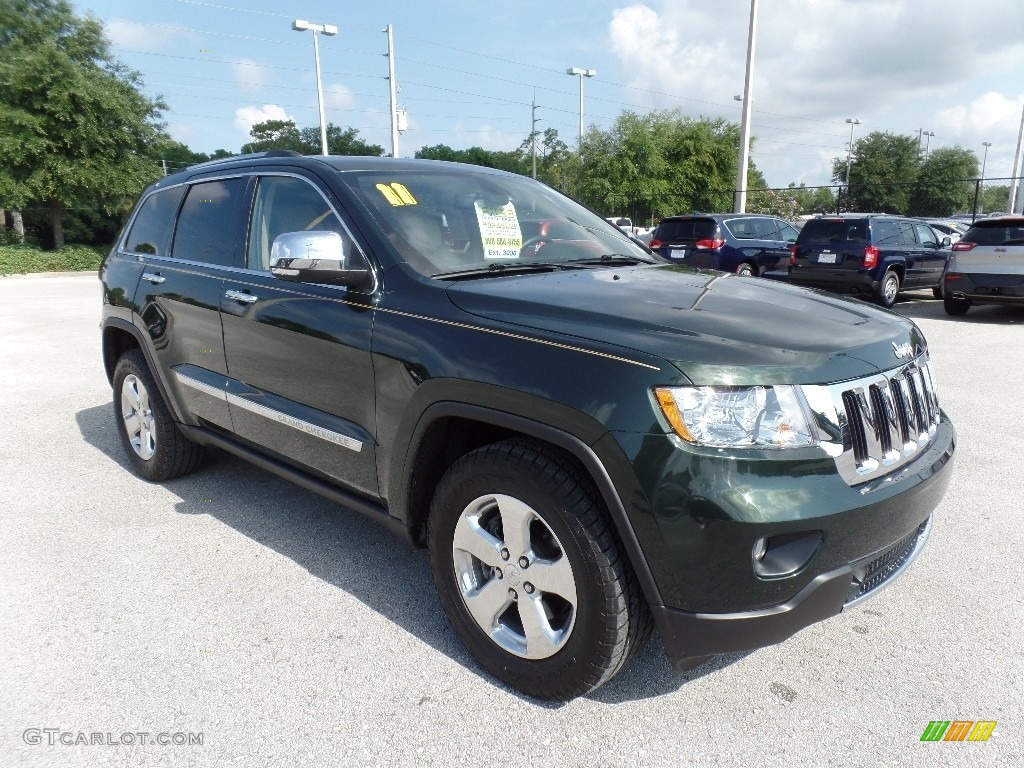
<point x="533" y="133"/>
<point x="393" y="89"/>
<point x="164" y="164"/>
<point x="740" y="205"/>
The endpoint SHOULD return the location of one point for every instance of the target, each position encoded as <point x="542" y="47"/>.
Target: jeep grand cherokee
<point x="590" y="441"/>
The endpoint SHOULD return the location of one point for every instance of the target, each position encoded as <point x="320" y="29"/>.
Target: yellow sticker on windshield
<point x="499" y="230"/>
<point x="396" y="194"/>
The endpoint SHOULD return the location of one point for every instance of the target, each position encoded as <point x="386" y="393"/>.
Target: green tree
<point x="284" y="134"/>
<point x="505" y="161"/>
<point x="74" y="124"/>
<point x="813" y="199"/>
<point x="659" y="164"/>
<point x="882" y="171"/>
<point x="994" y="197"/>
<point x="945" y="183"/>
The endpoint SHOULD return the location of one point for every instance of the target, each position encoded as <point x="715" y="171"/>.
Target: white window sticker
<point x="499" y="230"/>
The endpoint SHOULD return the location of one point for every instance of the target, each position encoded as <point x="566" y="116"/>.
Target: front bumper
<point x="710" y="509"/>
<point x="689" y="638"/>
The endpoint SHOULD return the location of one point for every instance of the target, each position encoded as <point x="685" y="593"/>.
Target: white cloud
<point x="337" y="96"/>
<point x="249" y="76"/>
<point x="145" y="37"/>
<point x="247" y="117"/>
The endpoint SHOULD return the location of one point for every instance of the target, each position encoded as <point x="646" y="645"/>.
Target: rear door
<point x="179" y="296"/>
<point x="298" y="354"/>
<point x="929" y="257"/>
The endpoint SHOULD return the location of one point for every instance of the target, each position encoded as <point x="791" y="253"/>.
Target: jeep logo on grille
<point x="903" y="350"/>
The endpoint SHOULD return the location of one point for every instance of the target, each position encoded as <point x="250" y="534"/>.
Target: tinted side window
<point x="787" y="232"/>
<point x="151" y="231"/>
<point x="206" y="225"/>
<point x="287" y="204"/>
<point x="764" y="229"/>
<point x="926" y="235"/>
<point x="906" y="233"/>
<point x="886" y="234"/>
<point x="742" y="229"/>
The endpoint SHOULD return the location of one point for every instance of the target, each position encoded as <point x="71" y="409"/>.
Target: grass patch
<point x="21" y="259"/>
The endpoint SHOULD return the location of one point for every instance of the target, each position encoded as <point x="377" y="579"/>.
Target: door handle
<point x="244" y="298"/>
<point x="153" y="277"/>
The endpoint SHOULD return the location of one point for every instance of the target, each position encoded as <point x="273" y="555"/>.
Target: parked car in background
<point x="873" y="255"/>
<point x="622" y="222"/>
<point x="747" y="244"/>
<point x="986" y="266"/>
<point x="950" y="228"/>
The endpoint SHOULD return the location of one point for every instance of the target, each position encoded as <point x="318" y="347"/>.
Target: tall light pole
<point x="392" y="89"/>
<point x="301" y="25"/>
<point x="849" y="150"/>
<point x="581" y="73"/>
<point x="740" y="202"/>
<point x="533" y="135"/>
<point x="981" y="184"/>
<point x="928" y="142"/>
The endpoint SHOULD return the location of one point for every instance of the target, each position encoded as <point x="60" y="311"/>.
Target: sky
<point x="468" y="72"/>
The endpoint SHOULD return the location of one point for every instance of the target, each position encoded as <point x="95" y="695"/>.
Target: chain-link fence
<point x="966" y="198"/>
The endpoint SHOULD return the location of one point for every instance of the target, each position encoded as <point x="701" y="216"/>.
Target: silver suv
<point x="987" y="265"/>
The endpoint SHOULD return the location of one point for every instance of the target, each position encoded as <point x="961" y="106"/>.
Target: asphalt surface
<point x="290" y="632"/>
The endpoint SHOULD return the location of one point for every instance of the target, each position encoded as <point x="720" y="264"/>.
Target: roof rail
<point x="246" y="156"/>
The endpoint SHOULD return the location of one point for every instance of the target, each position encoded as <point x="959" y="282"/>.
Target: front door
<point x="298" y="355"/>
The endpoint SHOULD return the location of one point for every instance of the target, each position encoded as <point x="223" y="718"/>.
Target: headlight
<point x="738" y="417"/>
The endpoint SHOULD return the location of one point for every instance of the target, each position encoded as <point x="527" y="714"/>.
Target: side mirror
<point x="947" y="242"/>
<point x="314" y="257"/>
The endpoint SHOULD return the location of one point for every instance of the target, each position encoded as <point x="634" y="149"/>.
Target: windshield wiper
<point x="497" y="270"/>
<point x="612" y="259"/>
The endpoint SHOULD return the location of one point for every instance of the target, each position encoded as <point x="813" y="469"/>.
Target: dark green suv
<point x="590" y="441"/>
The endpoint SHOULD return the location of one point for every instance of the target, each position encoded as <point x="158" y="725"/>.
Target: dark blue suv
<point x="747" y="244"/>
<point x="872" y="255"/>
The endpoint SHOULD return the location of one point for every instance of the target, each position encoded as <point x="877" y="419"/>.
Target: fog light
<point x="775" y="557"/>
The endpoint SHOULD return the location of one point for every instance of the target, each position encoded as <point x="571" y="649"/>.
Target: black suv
<point x="590" y="441"/>
<point x="869" y="254"/>
<point x="747" y="244"/>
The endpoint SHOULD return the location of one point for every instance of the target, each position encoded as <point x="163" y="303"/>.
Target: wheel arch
<point x="447" y="430"/>
<point x="120" y="336"/>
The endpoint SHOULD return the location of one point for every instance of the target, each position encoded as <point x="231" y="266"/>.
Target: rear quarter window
<point x="151" y="230"/>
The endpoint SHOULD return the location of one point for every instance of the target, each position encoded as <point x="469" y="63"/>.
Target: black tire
<point x="598" y="635"/>
<point x="163" y="451"/>
<point x="888" y="289"/>
<point x="956" y="307"/>
<point x="746" y="269"/>
<point x="937" y="291"/>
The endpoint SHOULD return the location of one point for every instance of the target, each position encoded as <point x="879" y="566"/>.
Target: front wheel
<point x="531" y="574"/>
<point x="888" y="290"/>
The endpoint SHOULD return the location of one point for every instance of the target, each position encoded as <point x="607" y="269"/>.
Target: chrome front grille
<point x="875" y="425"/>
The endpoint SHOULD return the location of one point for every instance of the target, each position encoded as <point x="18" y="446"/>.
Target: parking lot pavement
<point x="289" y="632"/>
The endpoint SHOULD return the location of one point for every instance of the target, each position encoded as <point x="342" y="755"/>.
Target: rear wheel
<point x="531" y="574"/>
<point x="889" y="289"/>
<point x="956" y="307"/>
<point x="746" y="269"/>
<point x="155" y="446"/>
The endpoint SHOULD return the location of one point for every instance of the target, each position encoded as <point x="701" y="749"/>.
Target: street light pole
<point x="981" y="184"/>
<point x="740" y="202"/>
<point x="928" y="142"/>
<point x="301" y="25"/>
<point x="849" y="150"/>
<point x="581" y="73"/>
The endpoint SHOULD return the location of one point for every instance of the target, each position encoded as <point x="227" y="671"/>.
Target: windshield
<point x="460" y="221"/>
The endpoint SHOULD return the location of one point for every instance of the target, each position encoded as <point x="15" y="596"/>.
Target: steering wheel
<point x="534" y="241"/>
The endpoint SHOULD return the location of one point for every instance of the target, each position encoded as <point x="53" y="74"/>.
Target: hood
<point x="716" y="328"/>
